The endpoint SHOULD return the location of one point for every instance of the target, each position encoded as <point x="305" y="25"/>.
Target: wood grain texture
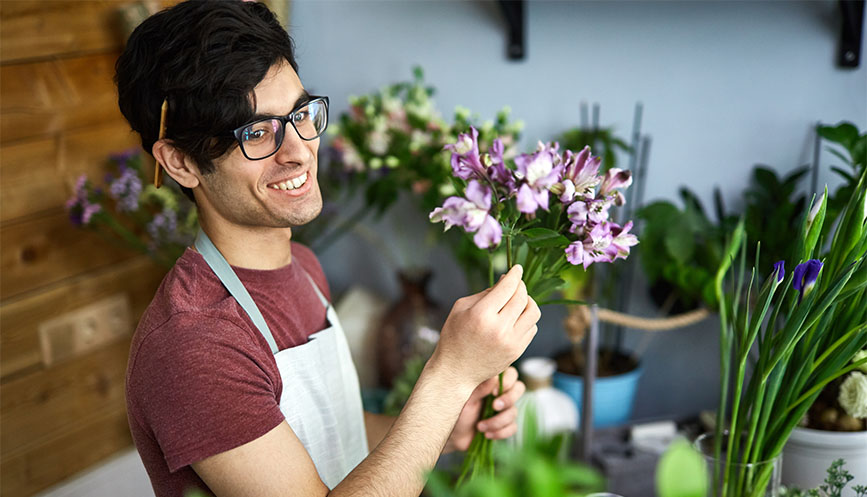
<point x="137" y="278"/>
<point x="35" y="29"/>
<point x="49" y="249"/>
<point x="93" y="439"/>
<point x="46" y="97"/>
<point x="42" y="406"/>
<point x="39" y="174"/>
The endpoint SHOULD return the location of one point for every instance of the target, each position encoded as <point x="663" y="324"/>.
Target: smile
<point x="290" y="184"/>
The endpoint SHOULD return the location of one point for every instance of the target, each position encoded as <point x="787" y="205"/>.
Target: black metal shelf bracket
<point x="851" y="32"/>
<point x="513" y="11"/>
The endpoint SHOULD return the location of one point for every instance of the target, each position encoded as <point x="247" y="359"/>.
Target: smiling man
<point x="240" y="381"/>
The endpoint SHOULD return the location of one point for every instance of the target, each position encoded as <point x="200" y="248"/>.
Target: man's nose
<point x="293" y="148"/>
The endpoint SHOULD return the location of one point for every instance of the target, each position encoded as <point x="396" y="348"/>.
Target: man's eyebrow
<point x="303" y="98"/>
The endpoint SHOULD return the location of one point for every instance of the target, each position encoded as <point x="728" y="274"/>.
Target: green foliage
<point x="682" y="472"/>
<point x="850" y="146"/>
<point x="601" y="140"/>
<point x="535" y="468"/>
<point x="681" y="249"/>
<point x="773" y="207"/>
<point x="803" y="341"/>
<point x="837" y="479"/>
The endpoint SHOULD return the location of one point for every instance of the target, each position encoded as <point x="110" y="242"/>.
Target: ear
<point x="176" y="164"/>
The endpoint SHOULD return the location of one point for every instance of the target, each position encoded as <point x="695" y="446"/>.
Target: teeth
<point x="290" y="184"/>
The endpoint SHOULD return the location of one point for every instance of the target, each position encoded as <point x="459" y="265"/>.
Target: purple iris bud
<point x="806" y="274"/>
<point x="780" y="270"/>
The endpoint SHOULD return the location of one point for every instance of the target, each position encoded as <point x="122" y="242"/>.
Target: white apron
<point x="321" y="398"/>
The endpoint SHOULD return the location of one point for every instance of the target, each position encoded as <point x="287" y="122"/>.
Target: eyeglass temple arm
<point x="158" y="177"/>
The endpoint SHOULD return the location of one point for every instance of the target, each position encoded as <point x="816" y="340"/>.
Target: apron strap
<point x="230" y="280"/>
<point x="322" y="298"/>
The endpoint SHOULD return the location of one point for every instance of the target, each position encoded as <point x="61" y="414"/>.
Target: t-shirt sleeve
<point x="199" y="385"/>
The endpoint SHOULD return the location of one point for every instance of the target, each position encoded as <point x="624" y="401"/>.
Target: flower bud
<point x="806" y="275"/>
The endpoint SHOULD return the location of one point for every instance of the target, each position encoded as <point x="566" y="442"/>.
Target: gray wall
<point x="725" y="85"/>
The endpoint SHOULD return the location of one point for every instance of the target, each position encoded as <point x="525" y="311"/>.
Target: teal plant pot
<point x="613" y="396"/>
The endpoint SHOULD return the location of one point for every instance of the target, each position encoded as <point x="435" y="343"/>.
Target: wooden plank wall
<point x="58" y="119"/>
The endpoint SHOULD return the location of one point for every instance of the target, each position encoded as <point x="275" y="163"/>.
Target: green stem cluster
<point x="803" y="342"/>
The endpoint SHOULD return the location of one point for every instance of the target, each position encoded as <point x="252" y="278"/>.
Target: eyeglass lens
<point x="263" y="138"/>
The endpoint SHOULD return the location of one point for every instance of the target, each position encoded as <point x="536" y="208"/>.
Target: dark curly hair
<point x="204" y="57"/>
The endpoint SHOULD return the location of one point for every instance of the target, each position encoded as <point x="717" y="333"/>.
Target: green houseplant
<point x="805" y="329"/>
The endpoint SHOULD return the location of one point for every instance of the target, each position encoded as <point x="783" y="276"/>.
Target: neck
<point x="250" y="247"/>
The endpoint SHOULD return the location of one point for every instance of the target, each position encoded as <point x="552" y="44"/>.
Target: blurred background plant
<point x="389" y="144"/>
<point x="128" y="209"/>
<point x="538" y="466"/>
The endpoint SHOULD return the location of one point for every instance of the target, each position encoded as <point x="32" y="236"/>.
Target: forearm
<point x="397" y="466"/>
<point x="377" y="426"/>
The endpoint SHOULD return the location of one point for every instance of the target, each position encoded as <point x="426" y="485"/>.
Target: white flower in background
<point x="428" y="335"/>
<point x="853" y="395"/>
<point x="378" y="142"/>
<point x="861" y="354"/>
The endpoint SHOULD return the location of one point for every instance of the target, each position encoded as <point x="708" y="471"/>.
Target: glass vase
<point x="737" y="479"/>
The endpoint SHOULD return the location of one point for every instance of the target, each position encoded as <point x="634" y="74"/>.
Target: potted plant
<point x="836" y="423"/>
<point x="799" y="332"/>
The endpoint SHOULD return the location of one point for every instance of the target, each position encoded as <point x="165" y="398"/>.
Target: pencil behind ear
<point x="158" y="168"/>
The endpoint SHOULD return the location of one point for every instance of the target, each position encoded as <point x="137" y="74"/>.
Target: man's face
<point x="248" y="193"/>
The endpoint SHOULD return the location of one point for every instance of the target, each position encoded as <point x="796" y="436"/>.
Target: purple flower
<point x="81" y="210"/>
<point x="126" y="189"/>
<point x="597" y="246"/>
<point x="539" y="171"/>
<point x="88" y="212"/>
<point x="490" y="233"/>
<point x="779" y="270"/>
<point x="580" y="170"/>
<point x="497" y="169"/>
<point x="466" y="161"/>
<point x="615" y="178"/>
<point x="472" y="214"/>
<point x="623" y="239"/>
<point x="806" y="274"/>
<point x="593" y="211"/>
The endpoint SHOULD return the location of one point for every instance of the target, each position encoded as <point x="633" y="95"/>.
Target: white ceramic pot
<point x="808" y="453"/>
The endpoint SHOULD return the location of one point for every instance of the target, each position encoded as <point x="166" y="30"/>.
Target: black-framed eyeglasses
<point x="262" y="139"/>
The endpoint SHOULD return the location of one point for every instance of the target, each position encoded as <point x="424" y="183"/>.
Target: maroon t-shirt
<point x="201" y="378"/>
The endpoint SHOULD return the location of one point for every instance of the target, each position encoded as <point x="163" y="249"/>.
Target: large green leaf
<point x="679" y="243"/>
<point x="681" y="472"/>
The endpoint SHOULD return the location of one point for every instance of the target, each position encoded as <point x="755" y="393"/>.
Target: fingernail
<point x="482" y="427"/>
<point x="498" y="404"/>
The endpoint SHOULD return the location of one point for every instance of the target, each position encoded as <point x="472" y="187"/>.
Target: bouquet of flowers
<point x="159" y="223"/>
<point x="816" y="325"/>
<point x="548" y="209"/>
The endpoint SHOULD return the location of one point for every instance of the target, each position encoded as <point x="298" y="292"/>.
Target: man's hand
<point x="501" y="425"/>
<point x="486" y="332"/>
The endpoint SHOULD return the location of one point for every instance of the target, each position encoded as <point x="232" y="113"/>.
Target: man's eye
<point x="301" y="116"/>
<point x="255" y="134"/>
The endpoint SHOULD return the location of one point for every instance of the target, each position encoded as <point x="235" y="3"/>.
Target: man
<point x="239" y="379"/>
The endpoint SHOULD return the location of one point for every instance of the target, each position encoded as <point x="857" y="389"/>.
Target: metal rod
<point x="817" y="144"/>
<point x="595" y="117"/>
<point x="590" y="349"/>
<point x="629" y="268"/>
